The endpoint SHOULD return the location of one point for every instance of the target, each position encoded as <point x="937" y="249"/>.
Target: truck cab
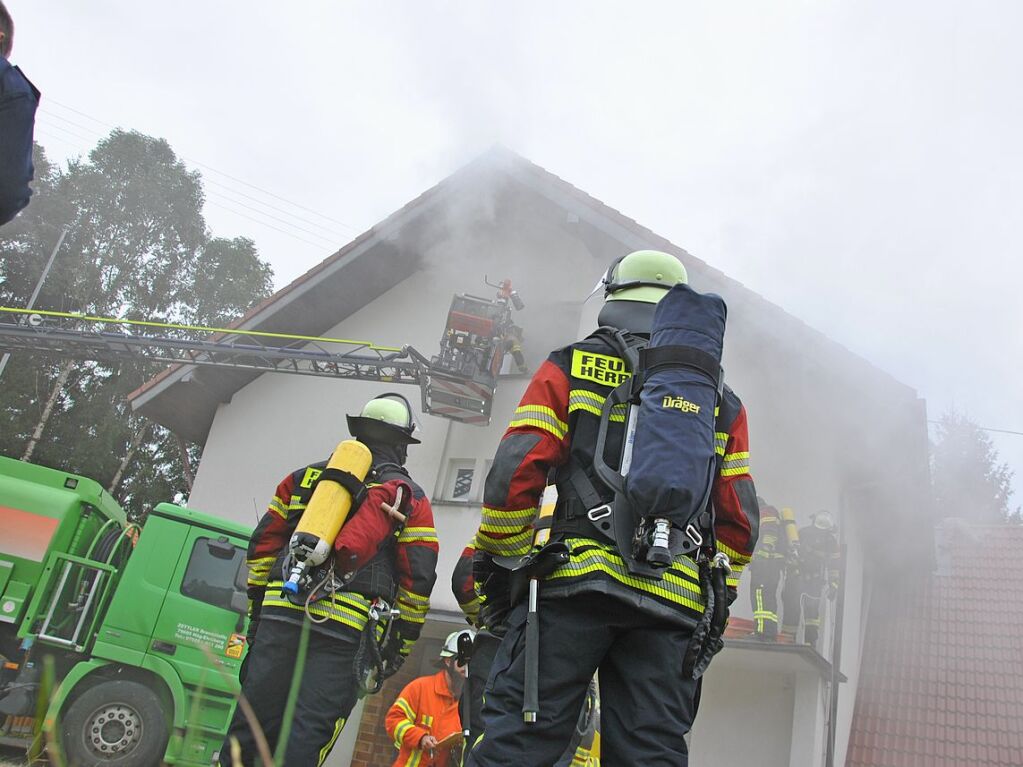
<point x="143" y="631"/>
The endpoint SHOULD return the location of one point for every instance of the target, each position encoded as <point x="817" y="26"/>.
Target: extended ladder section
<point x="458" y="384"/>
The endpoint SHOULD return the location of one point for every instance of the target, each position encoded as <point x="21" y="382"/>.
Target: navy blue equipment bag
<point x="673" y="459"/>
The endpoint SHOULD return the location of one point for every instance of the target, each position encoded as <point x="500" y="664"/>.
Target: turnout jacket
<point x="819" y="556"/>
<point x="404" y="562"/>
<point x="424" y="707"/>
<point x="557" y="421"/>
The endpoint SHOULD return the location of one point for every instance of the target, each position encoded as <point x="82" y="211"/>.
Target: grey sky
<point x="859" y="164"/>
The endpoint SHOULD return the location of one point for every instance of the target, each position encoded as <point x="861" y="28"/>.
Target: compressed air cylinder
<point x="788" y="518"/>
<point x="326" y="512"/>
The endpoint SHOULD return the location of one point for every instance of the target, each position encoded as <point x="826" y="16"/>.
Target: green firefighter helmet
<point x="387" y="419"/>
<point x="643" y="275"/>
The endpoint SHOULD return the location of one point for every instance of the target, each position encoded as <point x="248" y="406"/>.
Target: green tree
<point x="969" y="482"/>
<point x="138" y="247"/>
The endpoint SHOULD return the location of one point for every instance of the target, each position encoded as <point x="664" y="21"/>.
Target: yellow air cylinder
<point x="326" y="511"/>
<point x="788" y="518"/>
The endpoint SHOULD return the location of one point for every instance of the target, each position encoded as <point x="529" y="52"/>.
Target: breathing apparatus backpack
<point x="668" y="462"/>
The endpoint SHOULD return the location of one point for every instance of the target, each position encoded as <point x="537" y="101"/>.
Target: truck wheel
<point x="115" y="723"/>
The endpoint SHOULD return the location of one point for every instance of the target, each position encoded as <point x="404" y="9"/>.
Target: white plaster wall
<point x="745" y="718"/>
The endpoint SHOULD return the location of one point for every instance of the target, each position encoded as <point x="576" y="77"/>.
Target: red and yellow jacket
<point x="410" y="563"/>
<point x="425" y="707"/>
<point x="557" y="419"/>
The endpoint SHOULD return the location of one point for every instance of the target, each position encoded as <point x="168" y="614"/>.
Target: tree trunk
<point x="185" y="463"/>
<point x="58" y="387"/>
<point x="132" y="449"/>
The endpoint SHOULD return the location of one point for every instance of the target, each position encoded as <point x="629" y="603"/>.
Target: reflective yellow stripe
<point x="513" y="545"/>
<point x="737" y="560"/>
<point x="720" y="440"/>
<point x="399" y="733"/>
<point x="278" y="507"/>
<point x="338" y="726"/>
<point x="538" y="423"/>
<point x="603" y="559"/>
<point x="347" y="608"/>
<point x="735" y="472"/>
<point x="591" y="402"/>
<point x="506" y="519"/>
<point x="410" y="534"/>
<point x="412" y="597"/>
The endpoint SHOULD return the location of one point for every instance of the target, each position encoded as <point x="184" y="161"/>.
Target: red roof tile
<point x="941" y="681"/>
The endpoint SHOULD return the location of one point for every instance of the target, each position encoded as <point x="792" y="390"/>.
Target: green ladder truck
<point x="121" y="644"/>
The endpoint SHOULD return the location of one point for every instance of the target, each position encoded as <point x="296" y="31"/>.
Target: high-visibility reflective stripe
<point x="735" y="472"/>
<point x="338" y="726"/>
<point x="539" y="417"/>
<point x="347" y="608"/>
<point x="410" y="534"/>
<point x="510" y="519"/>
<point x="736" y="559"/>
<point x="278" y="507"/>
<point x="399" y="733"/>
<point x="592" y="558"/>
<point x="757" y="614"/>
<point x="406" y="707"/>
<point x="730" y="462"/>
<point x="591" y="402"/>
<point x="720" y="440"/>
<point x="513" y="545"/>
<point x="412" y="598"/>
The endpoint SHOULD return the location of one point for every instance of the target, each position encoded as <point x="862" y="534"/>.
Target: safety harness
<point x="374" y="580"/>
<point x="584" y="511"/>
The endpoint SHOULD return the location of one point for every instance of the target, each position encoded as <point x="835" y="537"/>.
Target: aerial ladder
<point x="457" y="383"/>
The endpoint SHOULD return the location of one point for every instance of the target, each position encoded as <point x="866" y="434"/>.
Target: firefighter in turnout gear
<point x="815" y="576"/>
<point x="384" y="558"/>
<point x="767" y="571"/>
<point x="593" y="614"/>
<point x="424" y="721"/>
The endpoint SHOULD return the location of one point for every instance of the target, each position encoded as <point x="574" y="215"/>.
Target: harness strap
<point x="653" y="359"/>
<point x="347" y="480"/>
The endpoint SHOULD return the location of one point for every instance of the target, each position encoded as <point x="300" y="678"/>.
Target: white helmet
<point x="450" y="648"/>
<point x="822" y="521"/>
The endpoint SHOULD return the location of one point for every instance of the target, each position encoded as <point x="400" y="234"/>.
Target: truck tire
<point x="117" y="723"/>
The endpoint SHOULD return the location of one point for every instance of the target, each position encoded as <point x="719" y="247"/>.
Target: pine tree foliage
<point x="969" y="482"/>
<point x="137" y="246"/>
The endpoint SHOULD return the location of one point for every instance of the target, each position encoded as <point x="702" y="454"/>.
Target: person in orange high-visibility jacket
<point x="424" y="720"/>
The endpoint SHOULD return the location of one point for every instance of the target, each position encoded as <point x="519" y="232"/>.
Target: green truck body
<point x="144" y="628"/>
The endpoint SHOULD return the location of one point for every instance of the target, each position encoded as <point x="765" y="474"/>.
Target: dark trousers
<point x="484" y="648"/>
<point x="328" y="693"/>
<point x="765" y="577"/>
<point x="647" y="706"/>
<point x="801" y="598"/>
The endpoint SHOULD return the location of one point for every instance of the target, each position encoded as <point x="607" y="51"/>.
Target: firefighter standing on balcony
<point x="592" y="614"/>
<point x="766" y="572"/>
<point x="814" y="576"/>
<point x="400" y="567"/>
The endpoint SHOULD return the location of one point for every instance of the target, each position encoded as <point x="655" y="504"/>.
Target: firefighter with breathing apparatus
<point x="656" y="516"/>
<point x="347" y="545"/>
<point x="814" y="575"/>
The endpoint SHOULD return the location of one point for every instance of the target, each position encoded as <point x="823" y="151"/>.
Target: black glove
<point x="255" y="595"/>
<point x="494" y="588"/>
<point x="391" y="656"/>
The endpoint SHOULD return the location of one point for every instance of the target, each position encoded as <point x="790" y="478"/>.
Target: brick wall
<point x="373" y="747"/>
